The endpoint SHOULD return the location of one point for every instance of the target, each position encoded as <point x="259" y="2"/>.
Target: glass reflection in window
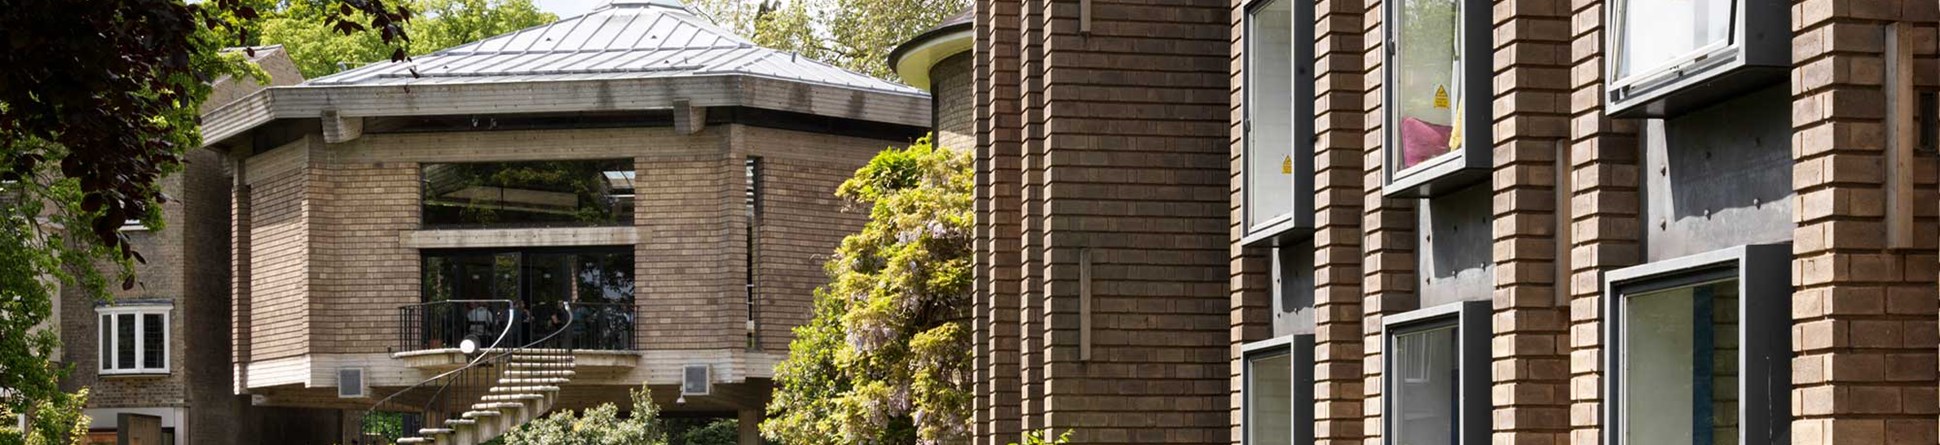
<point x="1659" y="33"/>
<point x="1269" y="400"/>
<point x="1428" y="95"/>
<point x="1269" y="112"/>
<point x="1424" y="386"/>
<point x="529" y="194"/>
<point x="1680" y="360"/>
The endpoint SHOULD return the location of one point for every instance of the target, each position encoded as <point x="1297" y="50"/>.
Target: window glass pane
<point x="125" y="341"/>
<point x="1657" y="33"/>
<point x="606" y="277"/>
<point x="1428" y="95"/>
<point x="107" y="339"/>
<point x="1680" y="360"/>
<point x="1269" y="112"/>
<point x="154" y="340"/>
<point x="1425" y="375"/>
<point x="529" y="194"/>
<point x="1269" y="400"/>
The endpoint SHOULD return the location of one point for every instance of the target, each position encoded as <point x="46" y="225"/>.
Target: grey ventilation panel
<point x="696" y="380"/>
<point x="351" y="384"/>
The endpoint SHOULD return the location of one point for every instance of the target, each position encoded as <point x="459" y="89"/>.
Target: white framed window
<point x="134" y="339"/>
<point x="1277" y="396"/>
<point x="1436" y="96"/>
<point x="1697" y="349"/>
<point x="1277" y="172"/>
<point x="1670" y="56"/>
<point x="1437" y="365"/>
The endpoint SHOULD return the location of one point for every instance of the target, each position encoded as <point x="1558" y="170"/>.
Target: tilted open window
<point x="1670" y="56"/>
<point x="1278" y="172"/>
<point x="1278" y="394"/>
<point x="1436" y="369"/>
<point x="1698" y="349"/>
<point x="1436" y="96"/>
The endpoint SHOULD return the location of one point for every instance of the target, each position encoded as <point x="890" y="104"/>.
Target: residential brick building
<point x="543" y="220"/>
<point x="1457" y="221"/>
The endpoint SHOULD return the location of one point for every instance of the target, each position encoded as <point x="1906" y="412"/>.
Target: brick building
<point x="542" y="220"/>
<point x="1457" y="221"/>
<point x="152" y="357"/>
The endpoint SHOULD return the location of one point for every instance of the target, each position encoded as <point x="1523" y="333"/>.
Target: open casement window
<point x="1671" y="56"/>
<point x="1436" y="371"/>
<point x="133" y="339"/>
<point x="1698" y="349"/>
<point x="1437" y="96"/>
<point x="1278" y="171"/>
<point x="1278" y="394"/>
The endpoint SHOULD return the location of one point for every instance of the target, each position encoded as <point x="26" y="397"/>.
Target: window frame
<point x="1757" y="54"/>
<point x="1300" y="350"/>
<point x="1473" y="331"/>
<point x="107" y="343"/>
<point x="1299" y="219"/>
<point x="1764" y="332"/>
<point x="424" y="198"/>
<point x="1449" y="172"/>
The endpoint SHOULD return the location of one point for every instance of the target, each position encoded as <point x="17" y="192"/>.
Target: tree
<point x="318" y="49"/>
<point x="98" y="101"/>
<point x="853" y="34"/>
<point x="886" y="359"/>
<point x="601" y="425"/>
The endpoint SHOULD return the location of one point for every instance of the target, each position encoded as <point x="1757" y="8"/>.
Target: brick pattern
<point x="1864" y="333"/>
<point x="802" y="222"/>
<point x="360" y="274"/>
<point x="1388" y="277"/>
<point x="1339" y="190"/>
<point x="1605" y="214"/>
<point x="998" y="270"/>
<point x="1250" y="276"/>
<point x="1530" y="368"/>
<point x="1031" y="296"/>
<point x="279" y="238"/>
<point x="950" y="86"/>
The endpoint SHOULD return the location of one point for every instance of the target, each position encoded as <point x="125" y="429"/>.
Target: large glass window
<point x="529" y="194"/>
<point x="458" y="284"/>
<point x="1278" y="391"/>
<point x="1277" y="170"/>
<point x="1672" y="56"/>
<point x="134" y="339"/>
<point x="1437" y="95"/>
<point x="1698" y="349"/>
<point x="1437" y="375"/>
<point x="1678" y="30"/>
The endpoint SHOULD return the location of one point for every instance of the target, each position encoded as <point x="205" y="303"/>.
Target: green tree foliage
<point x="885" y="360"/>
<point x="317" y="48"/>
<point x="704" y="431"/>
<point x="98" y="101"/>
<point x="601" y="425"/>
<point x="852" y="34"/>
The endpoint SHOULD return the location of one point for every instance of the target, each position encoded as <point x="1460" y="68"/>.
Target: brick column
<point x="1388" y="276"/>
<point x="239" y="267"/>
<point x="1339" y="129"/>
<point x="1530" y="369"/>
<point x="1863" y="337"/>
<point x="1249" y="279"/>
<point x="995" y="316"/>
<point x="1605" y="211"/>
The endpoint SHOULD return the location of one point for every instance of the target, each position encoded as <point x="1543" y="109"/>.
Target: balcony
<point x="442" y="334"/>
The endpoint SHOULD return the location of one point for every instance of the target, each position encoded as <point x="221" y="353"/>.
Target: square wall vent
<point x="351" y="384"/>
<point x="696" y="380"/>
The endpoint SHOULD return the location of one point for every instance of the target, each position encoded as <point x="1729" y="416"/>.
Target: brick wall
<point x="1339" y="188"/>
<point x="950" y="82"/>
<point x="1605" y="210"/>
<point x="1388" y="277"/>
<point x="802" y="220"/>
<point x="998" y="279"/>
<point x="279" y="238"/>
<point x="1863" y="337"/>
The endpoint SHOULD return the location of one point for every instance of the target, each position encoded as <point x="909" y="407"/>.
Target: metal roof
<point x="626" y="39"/>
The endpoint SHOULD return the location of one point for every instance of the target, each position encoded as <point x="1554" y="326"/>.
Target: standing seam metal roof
<point x="626" y="39"/>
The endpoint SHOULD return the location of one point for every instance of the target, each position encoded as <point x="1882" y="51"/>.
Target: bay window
<point x="1437" y="96"/>
<point x="1671" y="56"/>
<point x="1699" y="350"/>
<point x="1278" y="143"/>
<point x="1436" y="369"/>
<point x="133" y="339"/>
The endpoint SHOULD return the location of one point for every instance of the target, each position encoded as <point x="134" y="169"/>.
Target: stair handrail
<point x="485" y="355"/>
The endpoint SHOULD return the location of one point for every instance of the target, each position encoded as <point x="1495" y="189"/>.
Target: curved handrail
<point x="485" y="355"/>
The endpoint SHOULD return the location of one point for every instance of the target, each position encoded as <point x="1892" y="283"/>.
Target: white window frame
<point x="1299" y="349"/>
<point x="1763" y="273"/>
<point x="105" y="334"/>
<point x="1446" y="173"/>
<point x="1472" y="323"/>
<point x="1299" y="219"/>
<point x="1756" y="53"/>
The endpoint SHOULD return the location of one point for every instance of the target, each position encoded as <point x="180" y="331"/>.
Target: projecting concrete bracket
<point x="339" y="129"/>
<point x="689" y="119"/>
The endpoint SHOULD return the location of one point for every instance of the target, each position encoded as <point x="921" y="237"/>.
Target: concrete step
<point x="520" y="373"/>
<point x="511" y="397"/>
<point x="434" y="431"/>
<point x="502" y="389"/>
<point x="509" y="381"/>
<point x="481" y="406"/>
<point x="406" y="440"/>
<point x="477" y="414"/>
<point x="540" y="365"/>
<point x="459" y="422"/>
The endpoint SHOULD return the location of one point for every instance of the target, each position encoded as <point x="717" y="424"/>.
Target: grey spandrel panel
<point x="1719" y="177"/>
<point x="1455" y="252"/>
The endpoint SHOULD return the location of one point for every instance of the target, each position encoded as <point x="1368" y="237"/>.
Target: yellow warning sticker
<point x="1441" y="97"/>
<point x="1286" y="166"/>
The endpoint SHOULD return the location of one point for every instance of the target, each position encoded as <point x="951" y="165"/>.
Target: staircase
<point x="498" y="390"/>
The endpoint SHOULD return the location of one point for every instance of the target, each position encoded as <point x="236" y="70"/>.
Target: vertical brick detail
<point x="1340" y="129"/>
<point x="1863" y="337"/>
<point x="1388" y="277"/>
<point x="1605" y="210"/>
<point x="360" y="275"/>
<point x="705" y="307"/>
<point x="1530" y="369"/>
<point x="1249" y="276"/>
<point x="999" y="138"/>
<point x="1031" y="262"/>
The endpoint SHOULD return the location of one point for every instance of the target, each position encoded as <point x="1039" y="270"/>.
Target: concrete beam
<point x="689" y="119"/>
<point x="339" y="129"/>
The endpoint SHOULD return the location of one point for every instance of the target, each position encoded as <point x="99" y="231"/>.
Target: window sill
<point x="134" y="374"/>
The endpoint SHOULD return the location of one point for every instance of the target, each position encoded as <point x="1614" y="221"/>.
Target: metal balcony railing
<point x="447" y="324"/>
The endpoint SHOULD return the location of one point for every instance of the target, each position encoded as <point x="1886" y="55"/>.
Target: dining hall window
<point x="529" y="194"/>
